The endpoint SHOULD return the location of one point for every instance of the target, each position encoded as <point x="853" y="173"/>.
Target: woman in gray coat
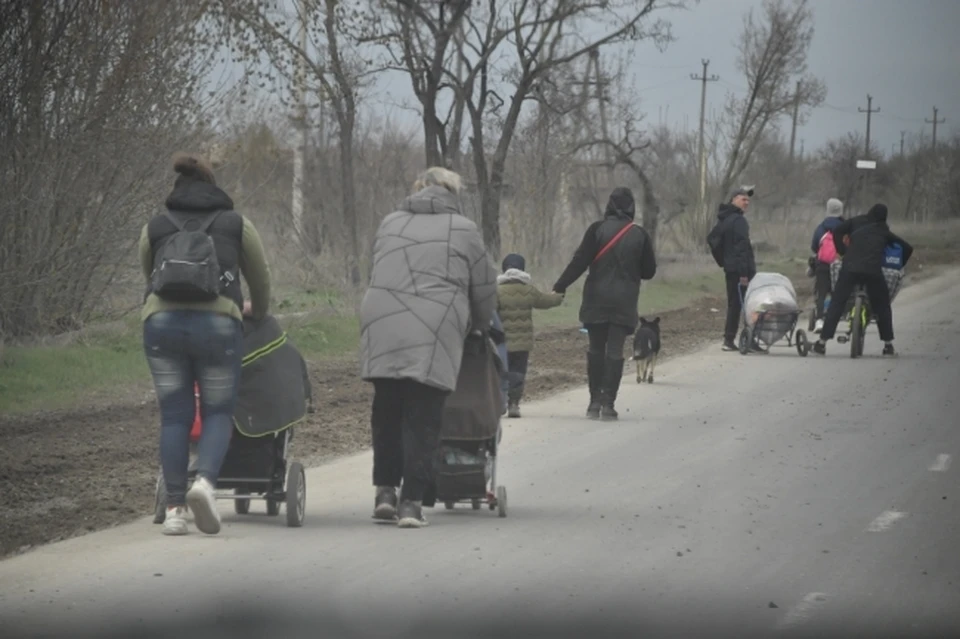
<point x="432" y="283"/>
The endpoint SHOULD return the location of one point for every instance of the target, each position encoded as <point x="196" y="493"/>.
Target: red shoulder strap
<point x="609" y="245"/>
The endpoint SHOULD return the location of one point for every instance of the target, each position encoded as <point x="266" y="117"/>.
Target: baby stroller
<point x="469" y="440"/>
<point x="274" y="396"/>
<point x="770" y="312"/>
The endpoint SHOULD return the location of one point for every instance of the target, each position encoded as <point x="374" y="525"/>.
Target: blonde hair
<point x="438" y="176"/>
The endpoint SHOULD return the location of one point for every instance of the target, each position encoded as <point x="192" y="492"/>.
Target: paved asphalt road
<point x="770" y="495"/>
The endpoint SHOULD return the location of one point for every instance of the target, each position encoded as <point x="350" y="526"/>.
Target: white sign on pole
<point x="866" y="164"/>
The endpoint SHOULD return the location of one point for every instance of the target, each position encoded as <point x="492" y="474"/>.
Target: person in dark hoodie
<point x="729" y="242"/>
<point x="193" y="332"/>
<point x="619" y="255"/>
<point x="862" y="242"/>
<point x="820" y="261"/>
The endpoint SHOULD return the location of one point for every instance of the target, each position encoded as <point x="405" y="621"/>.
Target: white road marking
<point x="885" y="520"/>
<point x="941" y="464"/>
<point x="803" y="610"/>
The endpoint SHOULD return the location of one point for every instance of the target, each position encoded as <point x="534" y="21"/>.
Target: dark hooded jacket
<point x="612" y="288"/>
<point x="236" y="241"/>
<point x="869" y="237"/>
<point x="737" y="251"/>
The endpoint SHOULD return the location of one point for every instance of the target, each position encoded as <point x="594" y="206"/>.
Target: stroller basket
<point x="772" y="326"/>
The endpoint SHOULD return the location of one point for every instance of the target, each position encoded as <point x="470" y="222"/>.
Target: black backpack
<point x="185" y="268"/>
<point x="715" y="242"/>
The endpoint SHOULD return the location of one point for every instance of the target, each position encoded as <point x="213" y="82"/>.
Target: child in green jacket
<point x="517" y="298"/>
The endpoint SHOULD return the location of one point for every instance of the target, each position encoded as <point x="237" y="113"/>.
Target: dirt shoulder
<point x="64" y="474"/>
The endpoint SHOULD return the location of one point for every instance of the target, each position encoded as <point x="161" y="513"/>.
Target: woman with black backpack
<point x="192" y="256"/>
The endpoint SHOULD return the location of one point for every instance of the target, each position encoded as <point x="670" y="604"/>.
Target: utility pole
<point x="902" y="133"/>
<point x="869" y="112"/>
<point x="702" y="150"/>
<point x="796" y="112"/>
<point x="296" y="207"/>
<point x="793" y="141"/>
<point x="934" y="122"/>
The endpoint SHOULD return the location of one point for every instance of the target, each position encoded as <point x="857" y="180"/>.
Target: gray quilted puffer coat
<point x="432" y="283"/>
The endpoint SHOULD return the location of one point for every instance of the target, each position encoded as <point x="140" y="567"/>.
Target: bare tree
<point x="623" y="144"/>
<point x="95" y="97"/>
<point x="417" y="36"/>
<point x="323" y="62"/>
<point x="773" y="55"/>
<point x="525" y="43"/>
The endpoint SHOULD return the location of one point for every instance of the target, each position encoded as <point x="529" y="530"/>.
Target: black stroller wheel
<point x="296" y="495"/>
<point x="241" y="506"/>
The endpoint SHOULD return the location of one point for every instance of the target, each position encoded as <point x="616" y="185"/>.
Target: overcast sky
<point x="905" y="53"/>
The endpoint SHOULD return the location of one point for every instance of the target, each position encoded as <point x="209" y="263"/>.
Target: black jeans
<point x="517" y="362"/>
<point x="734" y="307"/>
<point x="607" y="340"/>
<point x="822" y="285"/>
<point x="405" y="423"/>
<point x="877" y="293"/>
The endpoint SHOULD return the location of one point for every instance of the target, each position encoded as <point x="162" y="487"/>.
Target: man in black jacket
<point x="619" y="255"/>
<point x="730" y="244"/>
<point x="862" y="242"/>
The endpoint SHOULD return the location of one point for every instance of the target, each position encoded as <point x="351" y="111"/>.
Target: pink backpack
<point x="828" y="250"/>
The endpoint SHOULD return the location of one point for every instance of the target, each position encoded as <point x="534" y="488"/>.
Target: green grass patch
<point x="54" y="377"/>
<point x="57" y="376"/>
<point x="294" y="301"/>
<point x="327" y="336"/>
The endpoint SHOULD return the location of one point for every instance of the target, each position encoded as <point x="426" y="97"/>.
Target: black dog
<point x="646" y="348"/>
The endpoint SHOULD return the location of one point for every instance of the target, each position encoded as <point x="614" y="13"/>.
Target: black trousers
<point x="607" y="340"/>
<point x="877" y="293"/>
<point x="734" y="307"/>
<point x="822" y="285"/>
<point x="517" y="363"/>
<point x="405" y="422"/>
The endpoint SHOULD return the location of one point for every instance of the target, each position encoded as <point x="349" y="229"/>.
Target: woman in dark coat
<point x="618" y="255"/>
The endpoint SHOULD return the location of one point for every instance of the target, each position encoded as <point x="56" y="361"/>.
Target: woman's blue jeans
<point x="183" y="348"/>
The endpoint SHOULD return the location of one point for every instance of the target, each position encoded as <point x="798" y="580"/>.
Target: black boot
<point x="595" y="363"/>
<point x="513" y="400"/>
<point x="612" y="376"/>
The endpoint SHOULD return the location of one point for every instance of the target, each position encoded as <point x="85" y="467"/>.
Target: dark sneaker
<point x="385" y="504"/>
<point x="513" y="411"/>
<point x="608" y="413"/>
<point x="888" y="350"/>
<point x="410" y="515"/>
<point x="729" y="346"/>
<point x="593" y="410"/>
<point x="819" y="348"/>
<point x="756" y="348"/>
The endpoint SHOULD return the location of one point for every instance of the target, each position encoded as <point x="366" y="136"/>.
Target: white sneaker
<point x="203" y="505"/>
<point x="176" y="521"/>
<point x="818" y="326"/>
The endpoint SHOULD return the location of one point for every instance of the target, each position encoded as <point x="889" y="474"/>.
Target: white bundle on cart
<point x="772" y="297"/>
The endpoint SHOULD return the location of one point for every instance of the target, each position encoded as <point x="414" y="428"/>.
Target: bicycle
<point x="860" y="318"/>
